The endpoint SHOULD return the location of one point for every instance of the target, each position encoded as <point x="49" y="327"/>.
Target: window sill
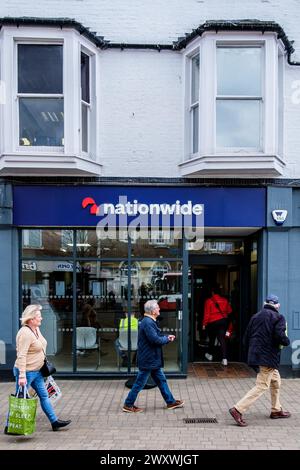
<point x="241" y="165"/>
<point x="47" y="164"/>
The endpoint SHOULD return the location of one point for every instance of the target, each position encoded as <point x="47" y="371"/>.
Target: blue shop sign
<point x="85" y="206"/>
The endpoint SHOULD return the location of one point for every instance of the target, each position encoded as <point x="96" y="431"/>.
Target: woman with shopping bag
<point x="31" y="351"/>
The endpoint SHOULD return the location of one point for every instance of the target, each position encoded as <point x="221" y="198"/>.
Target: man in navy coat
<point x="264" y="338"/>
<point x="150" y="360"/>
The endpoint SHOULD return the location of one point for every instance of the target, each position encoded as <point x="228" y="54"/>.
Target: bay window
<point x="50" y="109"/>
<point x="233" y="105"/>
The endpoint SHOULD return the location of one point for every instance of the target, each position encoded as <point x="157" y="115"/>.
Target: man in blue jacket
<point x="150" y="360"/>
<point x="264" y="338"/>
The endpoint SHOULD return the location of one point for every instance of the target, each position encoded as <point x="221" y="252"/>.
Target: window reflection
<point x="157" y="244"/>
<point x="47" y="243"/>
<point x="239" y="123"/>
<point x="93" y="243"/>
<point x="50" y="284"/>
<point x="106" y="293"/>
<point x="239" y="70"/>
<point x="221" y="247"/>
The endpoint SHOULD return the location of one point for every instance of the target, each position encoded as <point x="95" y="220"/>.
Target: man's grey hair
<point x="150" y="305"/>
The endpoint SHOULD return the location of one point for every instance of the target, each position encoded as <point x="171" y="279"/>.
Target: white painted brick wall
<point x="141" y="113"/>
<point x="141" y="128"/>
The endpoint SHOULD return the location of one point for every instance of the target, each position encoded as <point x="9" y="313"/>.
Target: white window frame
<point x="89" y="106"/>
<point x="206" y="46"/>
<point x="73" y="43"/>
<point x="245" y="45"/>
<point x="194" y="105"/>
<point x="17" y="96"/>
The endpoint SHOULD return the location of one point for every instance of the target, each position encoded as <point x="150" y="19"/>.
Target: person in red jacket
<point x="215" y="321"/>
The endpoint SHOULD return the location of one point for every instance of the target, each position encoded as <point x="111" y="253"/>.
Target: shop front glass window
<point x="102" y="302"/>
<point x="220" y="247"/>
<point x="42" y="243"/>
<point x="93" y="243"/>
<point x="161" y="280"/>
<point x="91" y="333"/>
<point x="161" y="243"/>
<point x="50" y="284"/>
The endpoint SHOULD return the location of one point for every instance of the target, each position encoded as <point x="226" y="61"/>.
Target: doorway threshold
<point x="215" y="370"/>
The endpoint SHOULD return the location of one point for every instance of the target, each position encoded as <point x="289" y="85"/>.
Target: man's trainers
<point x="208" y="357"/>
<point x="224" y="362"/>
<point x="176" y="404"/>
<point x="132" y="409"/>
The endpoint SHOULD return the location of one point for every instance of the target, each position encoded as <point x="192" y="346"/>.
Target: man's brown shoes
<point x="237" y="416"/>
<point x="280" y="414"/>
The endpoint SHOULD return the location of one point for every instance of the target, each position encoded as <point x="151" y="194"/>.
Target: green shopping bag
<point x="22" y="414"/>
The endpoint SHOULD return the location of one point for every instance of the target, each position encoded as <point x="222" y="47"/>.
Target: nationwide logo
<point x="134" y="208"/>
<point x="140" y="219"/>
<point x="89" y="201"/>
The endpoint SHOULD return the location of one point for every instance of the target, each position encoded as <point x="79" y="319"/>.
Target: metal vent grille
<point x="200" y="420"/>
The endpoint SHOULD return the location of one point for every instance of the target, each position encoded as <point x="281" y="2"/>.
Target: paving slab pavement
<point x="98" y="422"/>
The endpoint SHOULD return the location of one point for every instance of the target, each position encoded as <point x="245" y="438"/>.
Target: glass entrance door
<point x="204" y="277"/>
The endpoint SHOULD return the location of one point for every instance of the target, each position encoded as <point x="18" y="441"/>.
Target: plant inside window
<point x="40" y="95"/>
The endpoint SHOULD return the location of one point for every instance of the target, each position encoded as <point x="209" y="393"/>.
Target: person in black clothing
<point x="264" y="338"/>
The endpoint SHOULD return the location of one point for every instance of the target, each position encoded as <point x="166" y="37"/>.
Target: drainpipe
<point x="291" y="62"/>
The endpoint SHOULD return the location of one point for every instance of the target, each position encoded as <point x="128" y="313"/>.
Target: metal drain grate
<point x="200" y="420"/>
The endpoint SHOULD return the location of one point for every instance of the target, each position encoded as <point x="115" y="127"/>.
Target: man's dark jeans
<point x="141" y="380"/>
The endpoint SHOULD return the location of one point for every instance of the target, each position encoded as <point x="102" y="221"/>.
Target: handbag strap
<point x="218" y="307"/>
<point x="37" y="337"/>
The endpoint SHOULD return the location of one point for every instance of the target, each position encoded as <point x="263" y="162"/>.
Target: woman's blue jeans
<point x="36" y="381"/>
<point x="159" y="378"/>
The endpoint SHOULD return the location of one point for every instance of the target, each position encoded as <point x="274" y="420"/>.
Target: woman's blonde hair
<point x="30" y="313"/>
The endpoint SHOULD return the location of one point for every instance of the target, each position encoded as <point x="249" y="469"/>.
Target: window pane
<point x="238" y="123"/>
<point x="101" y="300"/>
<point x="47" y="243"/>
<point x="195" y="79"/>
<point x="156" y="244"/>
<point x="41" y="121"/>
<point x="239" y="71"/>
<point x="40" y="68"/>
<point x="50" y="284"/>
<point x="32" y="238"/>
<point x="161" y="280"/>
<point x="221" y="247"/>
<point x="195" y="128"/>
<point x="102" y="244"/>
<point x="84" y="127"/>
<point x="85" y="78"/>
